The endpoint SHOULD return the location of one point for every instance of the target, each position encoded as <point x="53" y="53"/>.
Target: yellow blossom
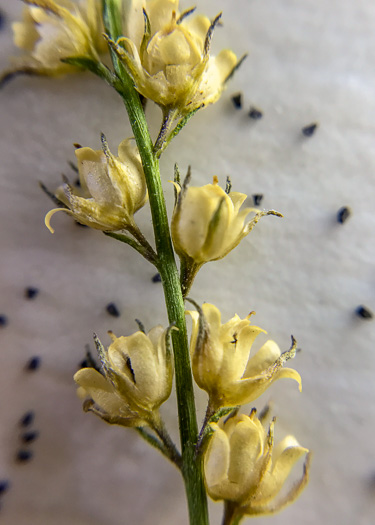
<point x="138" y="373"/>
<point x="221" y="360"/>
<point x="167" y="55"/>
<point x="52" y="30"/>
<point x="111" y="188"/>
<point x="207" y="222"/>
<point x="242" y="467"/>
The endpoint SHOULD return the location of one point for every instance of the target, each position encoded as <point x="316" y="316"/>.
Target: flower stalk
<point x="191" y="466"/>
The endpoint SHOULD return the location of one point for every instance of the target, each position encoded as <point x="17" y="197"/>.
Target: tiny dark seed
<point x="343" y="214"/>
<point x="2" y="20"/>
<point x="255" y="113"/>
<point x="3" y="320"/>
<point x="34" y="363"/>
<point x="4" y="486"/>
<point x="113" y="310"/>
<point x="31" y="292"/>
<point x="156" y="278"/>
<point x="27" y="419"/>
<point x="257" y="198"/>
<point x="309" y="130"/>
<point x="364" y="312"/>
<point x="24" y="455"/>
<point x="29" y="437"/>
<point x="237" y="100"/>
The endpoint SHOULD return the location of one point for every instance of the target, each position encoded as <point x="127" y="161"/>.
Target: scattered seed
<point x="343" y="214"/>
<point x="3" y="320"/>
<point x="257" y="198"/>
<point x="156" y="278"/>
<point x="309" y="130"/>
<point x="24" y="455"/>
<point x="30" y="436"/>
<point x="364" y="312"/>
<point x="31" y="292"/>
<point x="255" y="113"/>
<point x="113" y="310"/>
<point x="2" y="20"/>
<point x="27" y="419"/>
<point x="34" y="363"/>
<point x="4" y="486"/>
<point x="237" y="100"/>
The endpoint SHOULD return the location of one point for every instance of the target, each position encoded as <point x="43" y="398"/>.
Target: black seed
<point x="257" y="198"/>
<point x="31" y="292"/>
<point x="309" y="130"/>
<point x="364" y="312"/>
<point x="29" y="437"/>
<point x="27" y="419"/>
<point x="2" y="20"/>
<point x="113" y="310"/>
<point x="3" y="320"/>
<point x="255" y="113"/>
<point x="4" y="486"/>
<point x="156" y="278"/>
<point x="343" y="214"/>
<point x="237" y="100"/>
<point x="24" y="455"/>
<point x="34" y="363"/>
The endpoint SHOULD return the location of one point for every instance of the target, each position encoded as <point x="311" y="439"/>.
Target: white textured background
<point x="310" y="60"/>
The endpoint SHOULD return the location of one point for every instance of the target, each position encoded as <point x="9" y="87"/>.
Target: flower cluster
<point x="243" y="468"/>
<point x="167" y="54"/>
<point x="53" y="30"/>
<point x="136" y="379"/>
<point x="221" y="361"/>
<point x="111" y="188"/>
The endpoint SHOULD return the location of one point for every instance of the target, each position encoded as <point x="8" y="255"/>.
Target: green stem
<point x="230" y="516"/>
<point x="191" y="468"/>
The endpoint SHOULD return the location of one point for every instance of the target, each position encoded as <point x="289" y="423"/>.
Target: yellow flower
<point x="207" y="222"/>
<point x="138" y="373"/>
<point x="111" y="189"/>
<point x="52" y="30"/>
<point x="167" y="55"/>
<point x="242" y="467"/>
<point x="221" y="361"/>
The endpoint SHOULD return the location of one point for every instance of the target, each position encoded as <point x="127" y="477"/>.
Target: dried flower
<point x="167" y="55"/>
<point x="138" y="373"/>
<point x="242" y="467"/>
<point x="221" y="361"/>
<point x="207" y="222"/>
<point x="111" y="188"/>
<point x="52" y="30"/>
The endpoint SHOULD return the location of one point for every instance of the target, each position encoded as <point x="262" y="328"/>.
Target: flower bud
<point x="207" y="222"/>
<point x="111" y="188"/>
<point x="138" y="373"/>
<point x="221" y="360"/>
<point x="242" y="467"/>
<point x="52" y="30"/>
<point x="167" y="55"/>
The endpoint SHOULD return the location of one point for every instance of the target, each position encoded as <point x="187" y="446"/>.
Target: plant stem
<point x="230" y="516"/>
<point x="191" y="468"/>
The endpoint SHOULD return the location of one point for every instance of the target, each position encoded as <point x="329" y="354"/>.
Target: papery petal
<point x="216" y="461"/>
